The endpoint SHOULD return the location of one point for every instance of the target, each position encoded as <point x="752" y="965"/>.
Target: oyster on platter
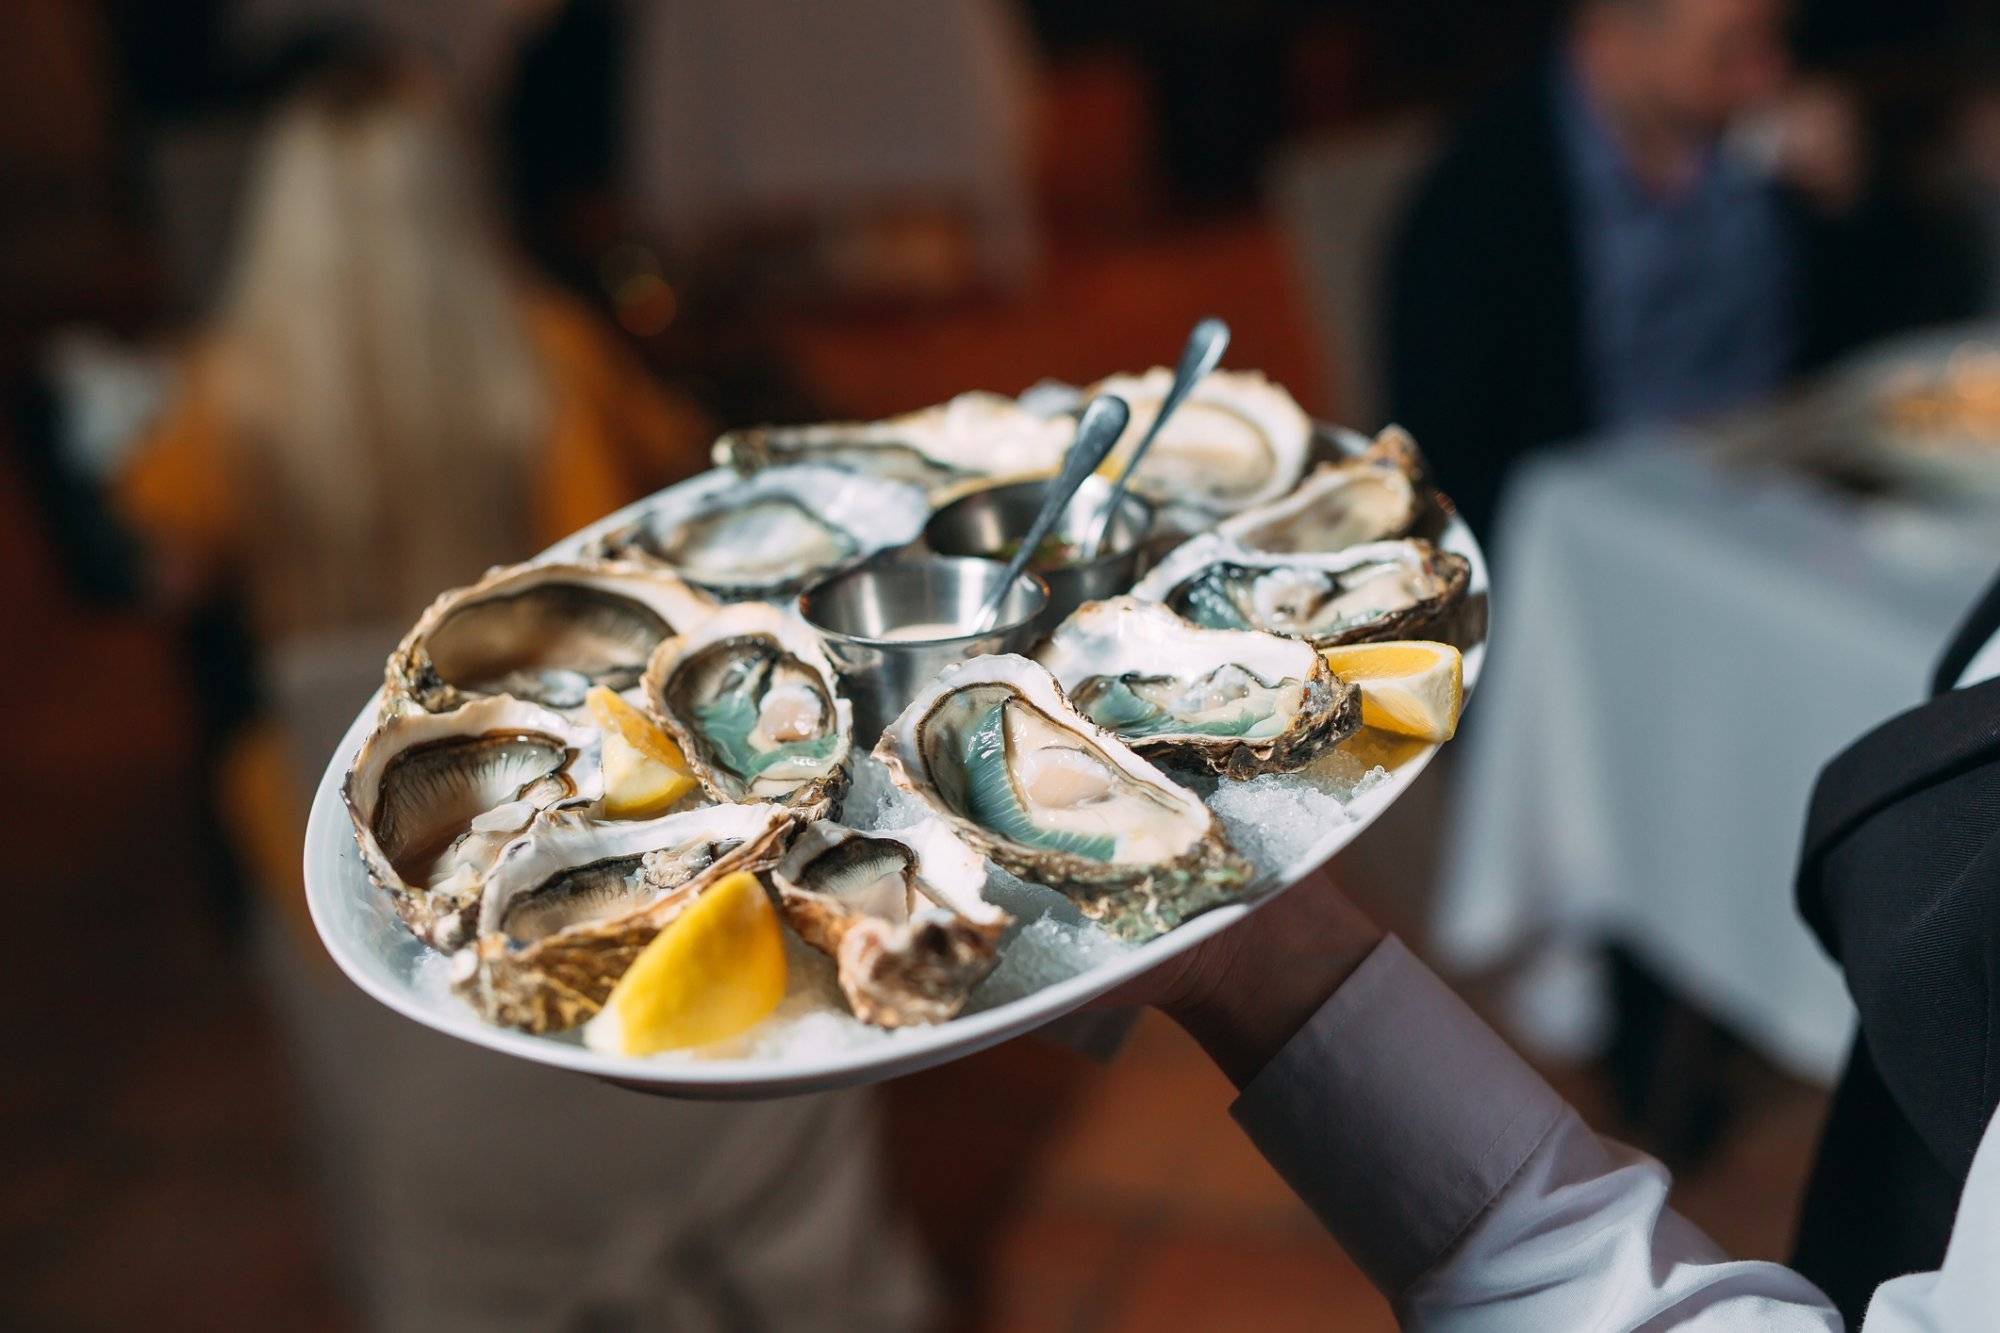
<point x="571" y="904"/>
<point x="771" y="533"/>
<point x="996" y="750"/>
<point x="902" y="914"/>
<point x="753" y="703"/>
<point x="1237" y="440"/>
<point x="1242" y="702"/>
<point x="435" y="797"/>
<point x="1370" y="497"/>
<point x="1379" y="590"/>
<point x="973" y="435"/>
<point x="542" y="632"/>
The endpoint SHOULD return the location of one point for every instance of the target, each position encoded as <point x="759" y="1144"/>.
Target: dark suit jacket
<point x="1484" y="337"/>
<point x="1900" y="879"/>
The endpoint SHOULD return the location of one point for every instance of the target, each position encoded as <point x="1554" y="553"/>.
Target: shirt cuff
<point x="1398" y="1115"/>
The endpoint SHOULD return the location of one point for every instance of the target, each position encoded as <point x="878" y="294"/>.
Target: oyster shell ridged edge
<point x="1134" y="904"/>
<point x="437" y="923"/>
<point x="1331" y="708"/>
<point x="815" y="799"/>
<point x="896" y="974"/>
<point x="562" y="980"/>
<point x="409" y="673"/>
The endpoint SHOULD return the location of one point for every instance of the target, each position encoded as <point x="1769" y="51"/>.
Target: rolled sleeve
<point x="1397" y="1115"/>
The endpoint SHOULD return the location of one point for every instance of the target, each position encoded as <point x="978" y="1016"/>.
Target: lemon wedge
<point x="716" y="970"/>
<point x="1412" y="687"/>
<point x="644" y="771"/>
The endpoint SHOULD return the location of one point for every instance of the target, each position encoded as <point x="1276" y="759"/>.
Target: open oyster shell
<point x="973" y="435"/>
<point x="1242" y="702"/>
<point x="755" y="706"/>
<point x="995" y="749"/>
<point x="542" y="632"/>
<point x="570" y="904"/>
<point x="434" y="797"/>
<point x="769" y="534"/>
<point x="1379" y="590"/>
<point x="1237" y="440"/>
<point x="1370" y="497"/>
<point x="901" y="913"/>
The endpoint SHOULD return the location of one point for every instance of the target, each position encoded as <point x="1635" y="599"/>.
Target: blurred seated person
<point x="1658" y="223"/>
<point x="383" y="405"/>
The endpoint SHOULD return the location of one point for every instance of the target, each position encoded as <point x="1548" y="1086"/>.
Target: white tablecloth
<point x="1678" y="648"/>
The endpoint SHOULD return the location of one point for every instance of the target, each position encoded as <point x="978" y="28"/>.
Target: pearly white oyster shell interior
<point x="770" y="533"/>
<point x="1236" y="440"/>
<point x="435" y="797"/>
<point x="1240" y="701"/>
<point x="542" y="632"/>
<point x="1378" y="590"/>
<point x="753" y="702"/>
<point x="901" y="912"/>
<point x="996" y="750"/>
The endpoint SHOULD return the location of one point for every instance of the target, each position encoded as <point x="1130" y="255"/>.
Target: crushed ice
<point x="1275" y="820"/>
<point x="874" y="801"/>
<point x="1041" y="953"/>
<point x="1278" y="819"/>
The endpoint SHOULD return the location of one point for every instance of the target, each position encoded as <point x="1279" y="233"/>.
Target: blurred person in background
<point x="384" y="405"/>
<point x="1661" y="222"/>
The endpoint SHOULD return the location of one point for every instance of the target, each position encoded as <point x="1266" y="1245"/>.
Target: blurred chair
<point x="1338" y="201"/>
<point x="762" y="113"/>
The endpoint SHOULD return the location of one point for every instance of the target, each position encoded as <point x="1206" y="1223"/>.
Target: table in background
<point x="1680" y="645"/>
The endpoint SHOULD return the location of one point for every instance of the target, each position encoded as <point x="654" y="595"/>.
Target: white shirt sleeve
<point x="1965" y="1292"/>
<point x="1582" y="1238"/>
<point x="1471" y="1194"/>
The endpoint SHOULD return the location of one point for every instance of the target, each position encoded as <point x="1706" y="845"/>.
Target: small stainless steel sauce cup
<point x="983" y="522"/>
<point x="853" y="610"/>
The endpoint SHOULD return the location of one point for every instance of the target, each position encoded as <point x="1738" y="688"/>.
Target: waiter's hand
<point x="1244" y="993"/>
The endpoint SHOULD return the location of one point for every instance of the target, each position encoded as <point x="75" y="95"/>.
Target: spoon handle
<point x="1205" y="344"/>
<point x="1103" y="421"/>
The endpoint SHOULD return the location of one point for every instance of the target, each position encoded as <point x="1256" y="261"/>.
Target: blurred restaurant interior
<point x="751" y="211"/>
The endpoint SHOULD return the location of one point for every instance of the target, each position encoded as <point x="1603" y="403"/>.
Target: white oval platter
<point x="1326" y="810"/>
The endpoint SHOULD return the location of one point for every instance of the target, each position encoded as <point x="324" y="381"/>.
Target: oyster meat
<point x="902" y="914"/>
<point x="1370" y="497"/>
<point x="570" y="904"/>
<point x="973" y="435"/>
<point x="434" y="797"/>
<point x="1241" y="701"/>
<point x="996" y="750"/>
<point x="771" y="533"/>
<point x="1379" y="590"/>
<point x="754" y="705"/>
<point x="1237" y="440"/>
<point x="542" y="632"/>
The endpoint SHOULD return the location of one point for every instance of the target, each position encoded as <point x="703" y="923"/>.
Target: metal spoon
<point x="1103" y="421"/>
<point x="1205" y="345"/>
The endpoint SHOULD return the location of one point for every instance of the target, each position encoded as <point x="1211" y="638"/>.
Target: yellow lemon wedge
<point x="716" y="970"/>
<point x="1412" y="687"/>
<point x="644" y="771"/>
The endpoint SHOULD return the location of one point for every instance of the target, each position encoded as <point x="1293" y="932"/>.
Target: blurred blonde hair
<point x="382" y="388"/>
